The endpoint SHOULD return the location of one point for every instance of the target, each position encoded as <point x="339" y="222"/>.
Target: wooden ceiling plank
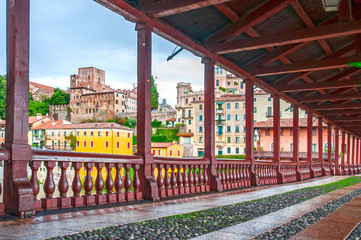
<point x="306" y="66"/>
<point x="336" y="106"/>
<point x="297" y="36"/>
<point x="331" y="97"/>
<point x="170" y="7"/>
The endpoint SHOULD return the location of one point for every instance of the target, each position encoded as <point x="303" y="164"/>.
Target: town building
<point x="39" y="91"/>
<point x="165" y="149"/>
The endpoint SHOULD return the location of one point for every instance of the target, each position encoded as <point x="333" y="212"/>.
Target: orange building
<point x="265" y="133"/>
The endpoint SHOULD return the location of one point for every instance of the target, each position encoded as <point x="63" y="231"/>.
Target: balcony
<point x="269" y="114"/>
<point x="220" y="121"/>
<point x="219" y="110"/>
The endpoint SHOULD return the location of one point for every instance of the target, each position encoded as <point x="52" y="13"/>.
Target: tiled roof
<point x="185" y="134"/>
<point x="284" y="122"/>
<point x="48" y="125"/>
<point x="61" y="125"/>
<point x="38" y="85"/>
<point x="230" y="97"/>
<point x="33" y="119"/>
<point x="171" y="119"/>
<point x="161" y="144"/>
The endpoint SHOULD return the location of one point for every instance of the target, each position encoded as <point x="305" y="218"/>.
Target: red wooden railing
<point x="267" y="172"/>
<point x="289" y="171"/>
<point x="304" y="170"/>
<point x="233" y="173"/>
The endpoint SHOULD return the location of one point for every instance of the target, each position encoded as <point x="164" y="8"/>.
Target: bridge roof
<point x="291" y="48"/>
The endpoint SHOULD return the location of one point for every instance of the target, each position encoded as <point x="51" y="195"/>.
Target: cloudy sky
<point x="67" y="34"/>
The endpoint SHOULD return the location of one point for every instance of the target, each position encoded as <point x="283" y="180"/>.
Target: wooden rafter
<point x="331" y="97"/>
<point x="297" y="36"/>
<point x="169" y="7"/>
<point x="336" y="106"/>
<point x="342" y="112"/>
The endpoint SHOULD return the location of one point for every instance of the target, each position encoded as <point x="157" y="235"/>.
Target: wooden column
<point x="149" y="187"/>
<point x="343" y="150"/>
<point x="309" y="142"/>
<point x="357" y="155"/>
<point x="250" y="130"/>
<point x="276" y="137"/>
<point x="320" y="142"/>
<point x="352" y="162"/>
<point x="337" y="149"/>
<point x="209" y="123"/>
<point x="359" y="160"/>
<point x="329" y="143"/>
<point x="348" y="152"/>
<point x="18" y="193"/>
<point x="295" y="141"/>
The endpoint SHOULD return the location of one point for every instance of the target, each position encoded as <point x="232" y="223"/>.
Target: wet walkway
<point x="41" y="227"/>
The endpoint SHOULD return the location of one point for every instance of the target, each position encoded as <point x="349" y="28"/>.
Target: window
<point x="291" y="109"/>
<point x="228" y="128"/>
<point x="200" y="139"/>
<point x="128" y="135"/>
<point x="78" y="134"/>
<point x="244" y="105"/>
<point x="236" y="106"/>
<point x="237" y="117"/>
<point x="200" y="129"/>
<point x="52" y="134"/>
<point x="237" y="150"/>
<point x="170" y="153"/>
<point x="2" y="135"/>
<point x="291" y="131"/>
<point x="228" y="117"/>
<point x="128" y="145"/>
<point x="241" y="85"/>
<point x="118" y="145"/>
<point x="153" y="152"/>
<point x="52" y="145"/>
<point x="228" y="83"/>
<point x="91" y="134"/>
<point x="269" y="98"/>
<point x="228" y="139"/>
<point x="84" y="144"/>
<point x="106" y="144"/>
<point x="64" y="134"/>
<point x="91" y="144"/>
<point x="160" y="152"/>
<point x="237" y="128"/>
<point x="255" y="109"/>
<point x="84" y="134"/>
<point x="269" y="111"/>
<point x="200" y="106"/>
<point x="179" y="153"/>
<point x="200" y="117"/>
<point x="237" y="139"/>
<point x="229" y="150"/>
<point x="189" y="113"/>
<point x="314" y="147"/>
<point x="194" y="99"/>
<point x="254" y="99"/>
<point x="189" y="122"/>
<point x="58" y="145"/>
<point x="99" y="133"/>
<point x="217" y="83"/>
<point x="228" y="106"/>
<point x="107" y="134"/>
<point x="64" y="145"/>
<point x="77" y="143"/>
<point x="268" y="132"/>
<point x="291" y="145"/>
<point x="186" y="100"/>
<point x="244" y="116"/>
<point x="314" y="132"/>
<point x="118" y="134"/>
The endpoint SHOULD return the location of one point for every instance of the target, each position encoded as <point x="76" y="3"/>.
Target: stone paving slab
<point x="262" y="224"/>
<point x="40" y="227"/>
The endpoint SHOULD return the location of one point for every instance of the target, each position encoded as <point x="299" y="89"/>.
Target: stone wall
<point x="160" y="116"/>
<point x="58" y="112"/>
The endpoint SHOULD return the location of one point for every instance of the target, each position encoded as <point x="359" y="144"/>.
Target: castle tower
<point x="182" y="88"/>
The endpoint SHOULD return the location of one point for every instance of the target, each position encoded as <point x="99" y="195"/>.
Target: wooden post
<point x="343" y="148"/>
<point x="296" y="141"/>
<point x="348" y="152"/>
<point x="329" y="144"/>
<point x="250" y="130"/>
<point x="352" y="162"/>
<point x="276" y="137"/>
<point x="209" y="124"/>
<point x="309" y="142"/>
<point x="320" y="142"/>
<point x="18" y="192"/>
<point x="337" y="149"/>
<point x="357" y="155"/>
<point x="148" y="185"/>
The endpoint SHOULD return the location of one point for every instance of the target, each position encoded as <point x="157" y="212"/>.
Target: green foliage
<point x="222" y="89"/>
<point x="72" y="139"/>
<point x="180" y="124"/>
<point x="158" y="138"/>
<point x="155" y="94"/>
<point x="131" y="123"/>
<point x="155" y="123"/>
<point x="38" y="107"/>
<point x="169" y="133"/>
<point x="111" y="120"/>
<point x="236" y="83"/>
<point x="59" y="98"/>
<point x="135" y="140"/>
<point x="231" y="156"/>
<point x="2" y="96"/>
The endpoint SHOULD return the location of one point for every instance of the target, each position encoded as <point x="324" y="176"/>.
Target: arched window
<point x="217" y="83"/>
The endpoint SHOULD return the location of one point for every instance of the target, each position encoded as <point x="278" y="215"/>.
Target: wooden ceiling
<point x="292" y="48"/>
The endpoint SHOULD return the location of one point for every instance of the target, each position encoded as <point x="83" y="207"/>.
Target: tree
<point x="155" y="94"/>
<point x="130" y="123"/>
<point x="59" y="98"/>
<point x="2" y="96"/>
<point x="72" y="139"/>
<point x="38" y="107"/>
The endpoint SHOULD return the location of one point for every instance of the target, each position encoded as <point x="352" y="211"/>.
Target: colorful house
<point x="164" y="149"/>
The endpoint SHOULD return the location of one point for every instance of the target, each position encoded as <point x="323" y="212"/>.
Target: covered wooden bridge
<point x="292" y="49"/>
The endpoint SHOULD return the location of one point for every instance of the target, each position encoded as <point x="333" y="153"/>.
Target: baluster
<point x="185" y="180"/>
<point x="223" y="178"/>
<point x="63" y="187"/>
<point x="129" y="196"/>
<point x="167" y="181"/>
<point x="118" y="183"/>
<point x="201" y="179"/>
<point x="35" y="183"/>
<point x="109" y="184"/>
<point x="136" y="183"/>
<point x="247" y="174"/>
<point x="173" y="180"/>
<point x="231" y="177"/>
<point x="180" y="180"/>
<point x="49" y="202"/>
<point x="76" y="200"/>
<point x="160" y="181"/>
<point x="99" y="185"/>
<point x="235" y="174"/>
<point x="191" y="179"/>
<point x="243" y="181"/>
<point x="89" y="200"/>
<point x="206" y="178"/>
<point x="196" y="180"/>
<point x="1" y="204"/>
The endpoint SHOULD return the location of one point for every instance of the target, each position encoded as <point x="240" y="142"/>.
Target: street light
<point x="331" y="5"/>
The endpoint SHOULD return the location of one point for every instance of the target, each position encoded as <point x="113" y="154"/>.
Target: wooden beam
<point x="260" y="14"/>
<point x="342" y="112"/>
<point x="170" y="7"/>
<point x="227" y="11"/>
<point x="346" y="119"/>
<point x="306" y="66"/>
<point x="345" y="11"/>
<point x="345" y="125"/>
<point x="297" y="36"/>
<point x="331" y="97"/>
<point x="336" y="106"/>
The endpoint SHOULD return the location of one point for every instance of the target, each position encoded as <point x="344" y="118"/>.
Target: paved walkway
<point x="41" y="227"/>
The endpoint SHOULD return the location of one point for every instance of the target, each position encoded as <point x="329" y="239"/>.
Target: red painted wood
<point x="109" y="180"/>
<point x="160" y="177"/>
<point x="173" y="179"/>
<point x="331" y="97"/>
<point x="127" y="180"/>
<point x="297" y="36"/>
<point x="63" y="185"/>
<point x="352" y="162"/>
<point x="88" y="182"/>
<point x="99" y="182"/>
<point x="276" y="129"/>
<point x="34" y="177"/>
<point x="357" y="155"/>
<point x="118" y="183"/>
<point x="227" y="11"/>
<point x="166" y="177"/>
<point x="329" y="143"/>
<point x="320" y="140"/>
<point x="76" y="185"/>
<point x="185" y="177"/>
<point x="343" y="150"/>
<point x="49" y="184"/>
<point x="249" y="122"/>
<point x="136" y="182"/>
<point x="348" y="149"/>
<point x="196" y="180"/>
<point x="337" y="150"/>
<point x="345" y="11"/>
<point x="309" y="137"/>
<point x="180" y="176"/>
<point x="295" y="134"/>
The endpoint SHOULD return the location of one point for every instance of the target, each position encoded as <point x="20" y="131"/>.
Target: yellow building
<point x="167" y="149"/>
